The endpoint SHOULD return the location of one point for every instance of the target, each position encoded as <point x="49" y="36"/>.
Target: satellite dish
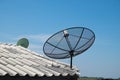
<point x="68" y="43"/>
<point x="23" y="42"/>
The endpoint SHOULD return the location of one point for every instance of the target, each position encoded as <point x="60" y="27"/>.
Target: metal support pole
<point x="71" y="61"/>
<point x="71" y="58"/>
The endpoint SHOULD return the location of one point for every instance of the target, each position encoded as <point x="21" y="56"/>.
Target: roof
<point x="16" y="60"/>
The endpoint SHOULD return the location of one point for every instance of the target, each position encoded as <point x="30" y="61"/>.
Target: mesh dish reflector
<point x="75" y="40"/>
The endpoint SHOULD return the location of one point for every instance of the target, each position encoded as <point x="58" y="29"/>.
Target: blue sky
<point x="39" y="19"/>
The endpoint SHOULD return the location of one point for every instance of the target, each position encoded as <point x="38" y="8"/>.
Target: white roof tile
<point x="44" y="71"/>
<point x="30" y="62"/>
<point x="8" y="70"/>
<point x="20" y="72"/>
<point x="3" y="62"/>
<point x="26" y="70"/>
<point x="2" y="72"/>
<point x="8" y="61"/>
<point x="22" y="61"/>
<point x="39" y="73"/>
<point x="16" y="60"/>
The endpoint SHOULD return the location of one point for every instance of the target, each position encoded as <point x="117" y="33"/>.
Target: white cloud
<point x="37" y="37"/>
<point x="36" y="48"/>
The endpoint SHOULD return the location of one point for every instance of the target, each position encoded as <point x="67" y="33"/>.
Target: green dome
<point x="23" y="42"/>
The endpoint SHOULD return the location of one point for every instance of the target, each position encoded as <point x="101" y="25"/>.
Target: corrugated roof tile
<point x="39" y="73"/>
<point x="8" y="61"/>
<point x="50" y="70"/>
<point x="31" y="62"/>
<point x="3" y="62"/>
<point x="2" y="72"/>
<point x="30" y="73"/>
<point x="8" y="70"/>
<point x="16" y="60"/>
<point x="47" y="73"/>
<point x="20" y="72"/>
<point x="23" y="62"/>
